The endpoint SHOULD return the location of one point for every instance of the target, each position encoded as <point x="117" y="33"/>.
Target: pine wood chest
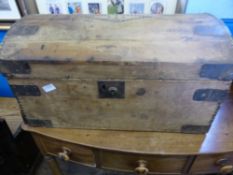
<point x="138" y="73"/>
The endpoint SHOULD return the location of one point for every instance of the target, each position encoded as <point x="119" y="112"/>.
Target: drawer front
<point x="217" y="163"/>
<point x="155" y="164"/>
<point x="62" y="149"/>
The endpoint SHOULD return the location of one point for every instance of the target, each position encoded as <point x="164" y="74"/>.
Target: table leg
<point x="53" y="165"/>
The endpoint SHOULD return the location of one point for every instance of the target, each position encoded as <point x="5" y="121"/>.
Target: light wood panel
<point x="9" y="110"/>
<point x="217" y="140"/>
<point x="164" y="105"/>
<point x="177" y="38"/>
<point x="162" y="56"/>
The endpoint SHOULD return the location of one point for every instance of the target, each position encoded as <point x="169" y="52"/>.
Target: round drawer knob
<point x="141" y="169"/>
<point x="64" y="155"/>
<point x="226" y="169"/>
<point x="225" y="166"/>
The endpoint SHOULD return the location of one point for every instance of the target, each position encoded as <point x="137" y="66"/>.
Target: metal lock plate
<point x="111" y="89"/>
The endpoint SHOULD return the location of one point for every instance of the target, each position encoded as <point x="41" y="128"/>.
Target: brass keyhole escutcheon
<point x="111" y="89"/>
<point x="65" y="154"/>
<point x="142" y="169"/>
<point x="226" y="169"/>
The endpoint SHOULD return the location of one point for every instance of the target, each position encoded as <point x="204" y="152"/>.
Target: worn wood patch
<point x="106" y="70"/>
<point x="38" y="122"/>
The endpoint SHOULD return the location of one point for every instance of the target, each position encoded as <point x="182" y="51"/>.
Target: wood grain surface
<point x="161" y="56"/>
<point x="197" y="38"/>
<point x="217" y="140"/>
<point x="164" y="106"/>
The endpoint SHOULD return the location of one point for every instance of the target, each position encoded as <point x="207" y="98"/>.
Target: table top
<point x="219" y="139"/>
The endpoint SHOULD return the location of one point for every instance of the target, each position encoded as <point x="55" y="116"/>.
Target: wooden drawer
<point x="216" y="163"/>
<point x="155" y="164"/>
<point x="76" y="153"/>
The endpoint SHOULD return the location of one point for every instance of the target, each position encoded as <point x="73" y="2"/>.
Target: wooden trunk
<point x="140" y="73"/>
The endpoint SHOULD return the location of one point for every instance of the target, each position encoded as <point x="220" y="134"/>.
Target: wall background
<point x="219" y="8"/>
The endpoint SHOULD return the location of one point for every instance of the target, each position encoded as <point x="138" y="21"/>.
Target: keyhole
<point x="103" y="87"/>
<point x="113" y="90"/>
